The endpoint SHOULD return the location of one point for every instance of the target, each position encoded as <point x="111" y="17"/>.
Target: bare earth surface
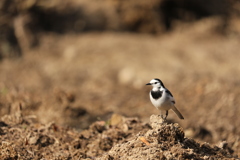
<point x="83" y="95"/>
<point x="74" y="81"/>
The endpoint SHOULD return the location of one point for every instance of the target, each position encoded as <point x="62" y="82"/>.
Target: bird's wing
<point x="170" y="96"/>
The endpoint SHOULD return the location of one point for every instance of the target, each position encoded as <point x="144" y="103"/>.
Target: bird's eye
<point x="155" y="82"/>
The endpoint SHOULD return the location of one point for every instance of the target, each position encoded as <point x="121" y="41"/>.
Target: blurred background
<point x="77" y="61"/>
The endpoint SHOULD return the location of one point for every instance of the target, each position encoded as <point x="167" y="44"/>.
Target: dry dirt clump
<point x="20" y="138"/>
<point x="118" y="138"/>
<point x="166" y="141"/>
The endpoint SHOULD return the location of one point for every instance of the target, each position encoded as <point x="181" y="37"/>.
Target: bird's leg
<point x="162" y="116"/>
<point x="166" y="115"/>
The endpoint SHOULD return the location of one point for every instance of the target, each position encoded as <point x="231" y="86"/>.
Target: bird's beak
<point x="148" y="84"/>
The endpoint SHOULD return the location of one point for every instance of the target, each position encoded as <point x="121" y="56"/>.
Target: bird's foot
<point x="163" y="119"/>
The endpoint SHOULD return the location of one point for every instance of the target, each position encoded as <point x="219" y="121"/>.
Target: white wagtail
<point x="162" y="98"/>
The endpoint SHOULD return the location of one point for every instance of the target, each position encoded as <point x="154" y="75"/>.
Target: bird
<point x="162" y="98"/>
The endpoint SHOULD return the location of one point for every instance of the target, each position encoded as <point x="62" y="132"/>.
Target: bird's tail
<point x="177" y="112"/>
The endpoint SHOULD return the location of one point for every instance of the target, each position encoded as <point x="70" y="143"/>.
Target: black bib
<point x="156" y="94"/>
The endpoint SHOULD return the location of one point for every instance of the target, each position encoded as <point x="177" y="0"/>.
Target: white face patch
<point x="155" y="83"/>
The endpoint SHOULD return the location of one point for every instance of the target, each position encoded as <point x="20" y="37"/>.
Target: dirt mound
<point x="23" y="139"/>
<point x="166" y="141"/>
<point x="118" y="138"/>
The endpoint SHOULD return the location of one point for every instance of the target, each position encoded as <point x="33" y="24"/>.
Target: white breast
<point x="163" y="103"/>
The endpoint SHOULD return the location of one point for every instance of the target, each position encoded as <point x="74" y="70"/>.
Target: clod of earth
<point x="122" y="138"/>
<point x="164" y="141"/>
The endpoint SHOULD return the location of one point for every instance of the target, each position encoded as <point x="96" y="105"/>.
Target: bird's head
<point x="155" y="83"/>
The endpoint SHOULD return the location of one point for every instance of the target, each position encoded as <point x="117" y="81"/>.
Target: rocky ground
<point x="80" y="93"/>
<point x="119" y="138"/>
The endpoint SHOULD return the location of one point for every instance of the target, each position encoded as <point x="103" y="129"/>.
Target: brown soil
<point x="120" y="138"/>
<point x="77" y="91"/>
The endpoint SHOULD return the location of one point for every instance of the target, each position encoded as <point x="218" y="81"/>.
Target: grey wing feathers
<point x="169" y="92"/>
<point x="171" y="96"/>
